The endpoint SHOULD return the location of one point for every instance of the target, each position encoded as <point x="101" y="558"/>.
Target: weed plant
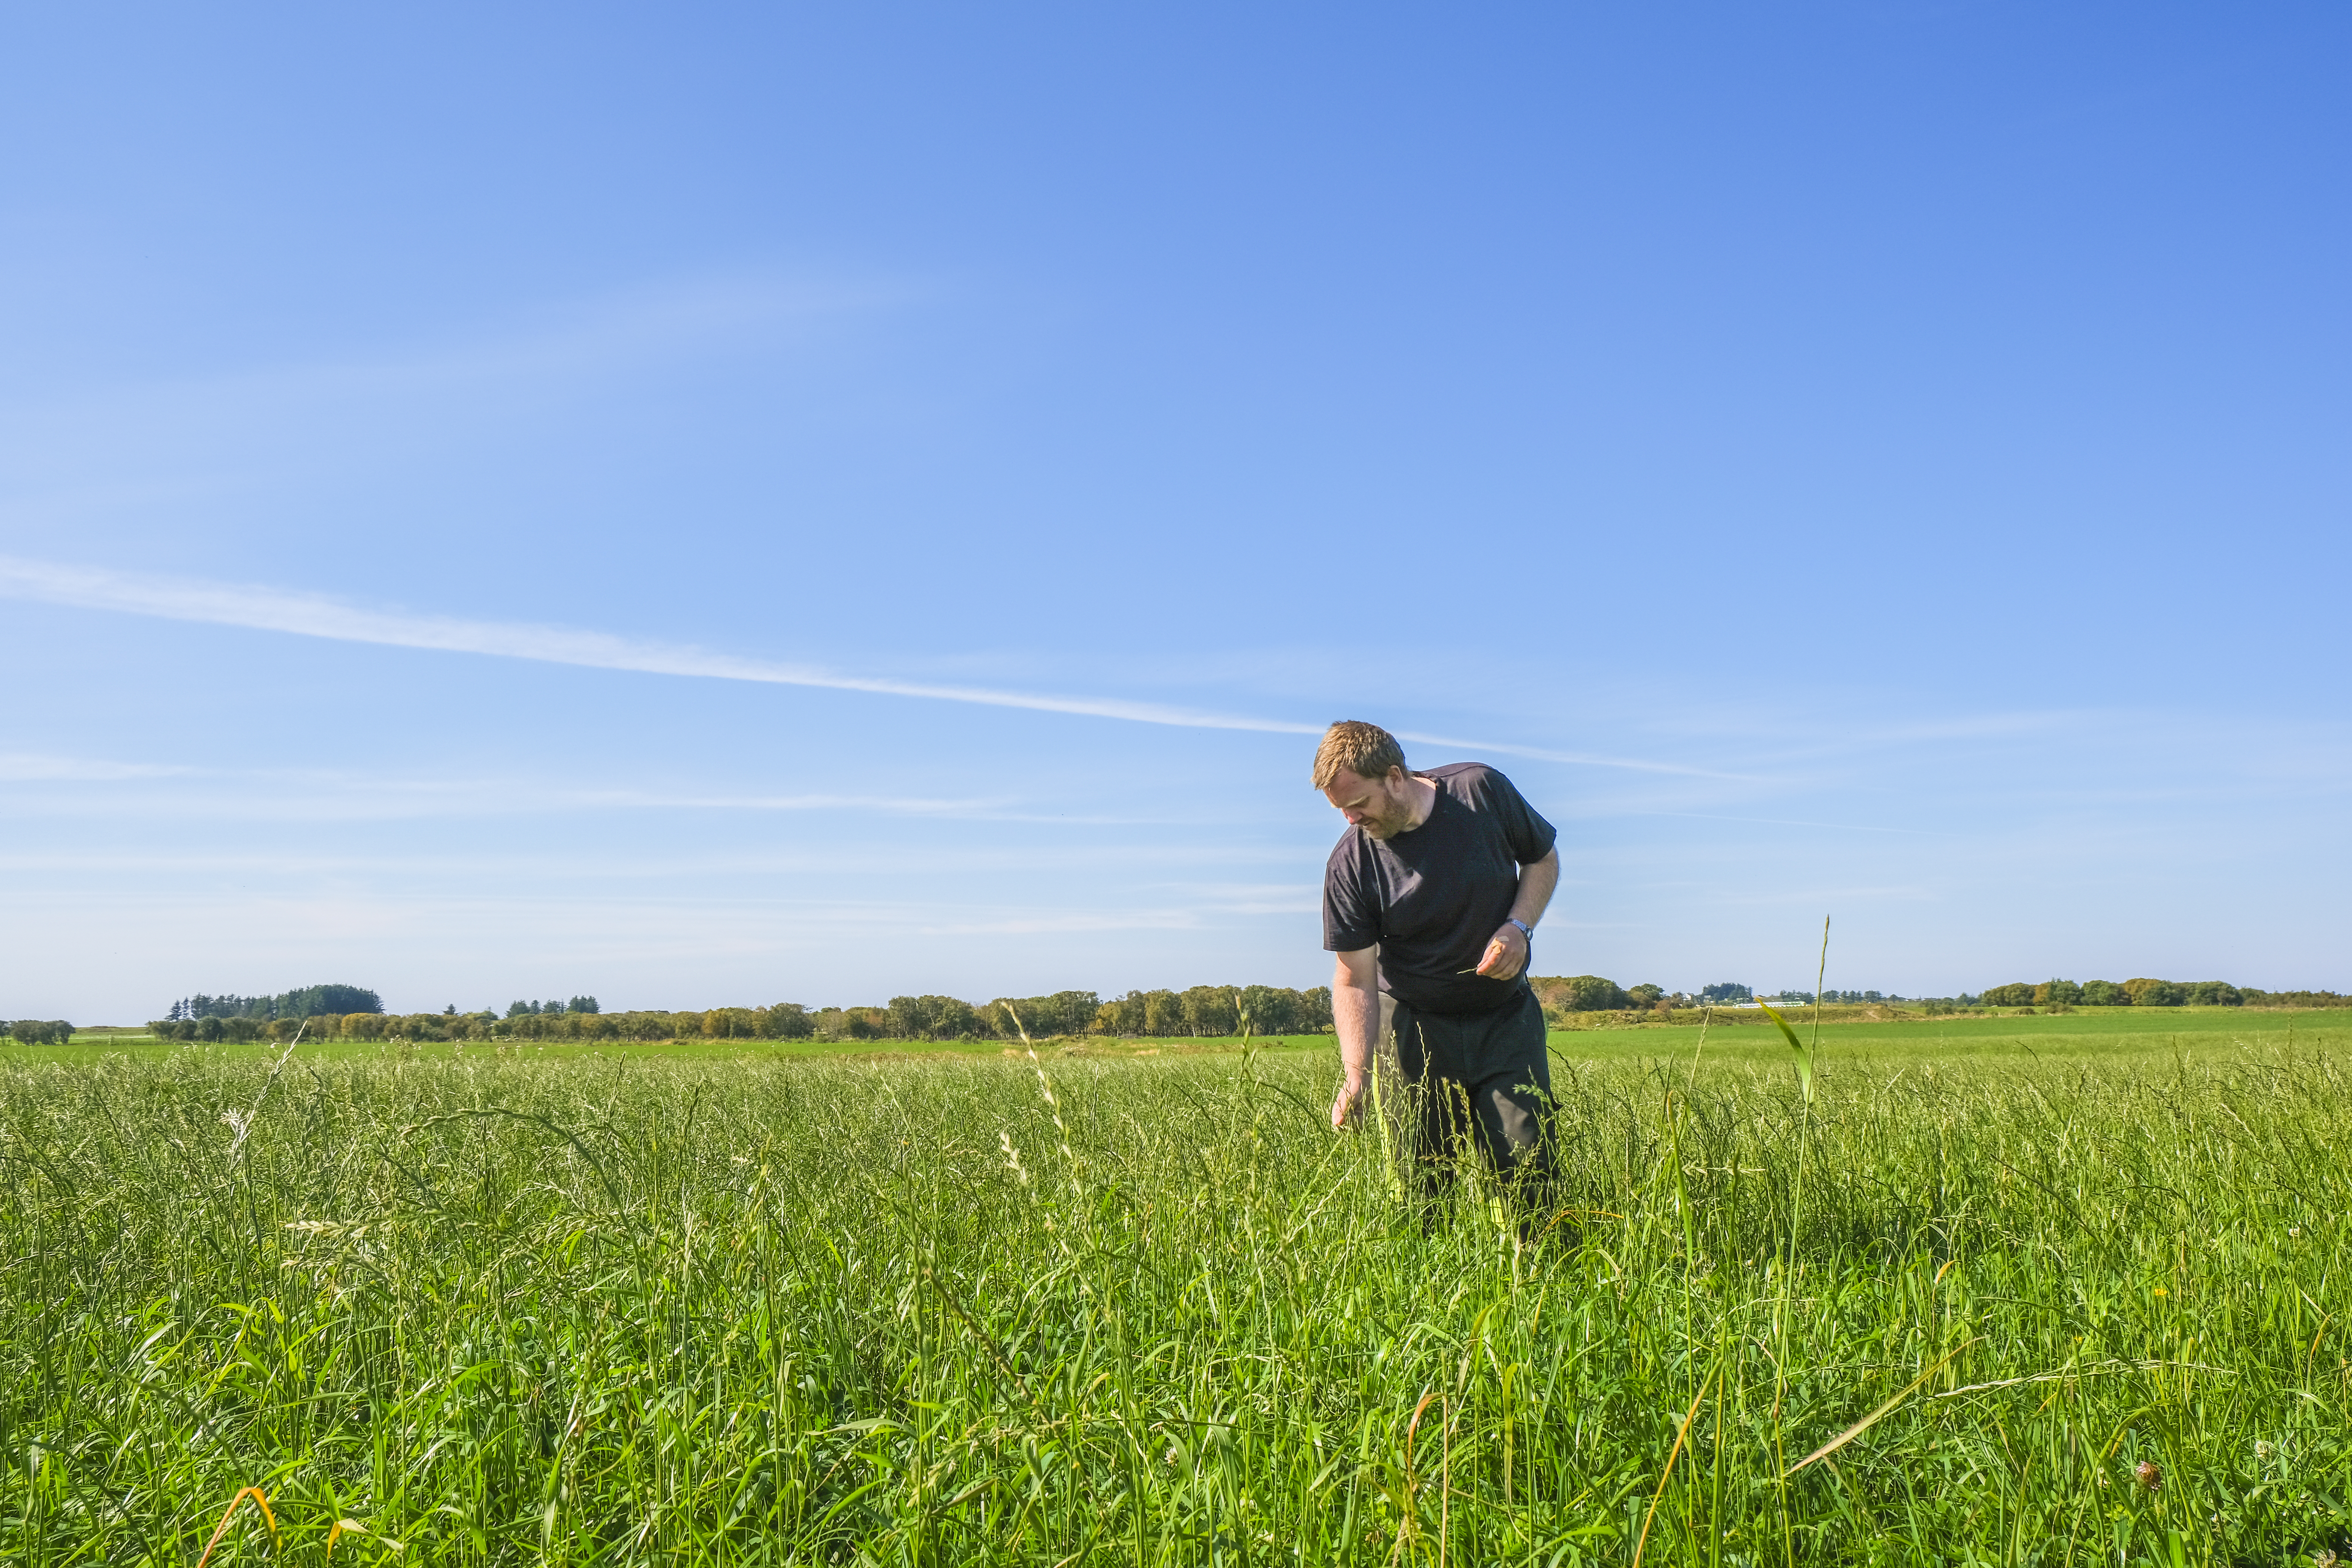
<point x="512" y="1310"/>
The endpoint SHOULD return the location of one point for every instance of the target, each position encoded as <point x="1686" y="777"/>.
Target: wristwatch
<point x="1525" y="930"/>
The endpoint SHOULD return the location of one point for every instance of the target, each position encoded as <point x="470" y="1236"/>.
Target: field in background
<point x="1735" y="1034"/>
<point x="731" y="1303"/>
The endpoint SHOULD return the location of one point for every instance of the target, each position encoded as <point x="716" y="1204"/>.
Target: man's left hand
<point x="1506" y="954"/>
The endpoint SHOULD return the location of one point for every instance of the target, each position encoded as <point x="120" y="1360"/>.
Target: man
<point x="1430" y="896"/>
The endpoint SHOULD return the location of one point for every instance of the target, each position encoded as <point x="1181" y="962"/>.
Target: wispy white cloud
<point x="897" y="805"/>
<point x="615" y="333"/>
<point x="999" y="809"/>
<point x="323" y="794"/>
<point x="1979" y="726"/>
<point x="26" y="768"/>
<point x="1794" y="822"/>
<point x="264" y="608"/>
<point x="82" y="870"/>
<point x="1830" y="898"/>
<point x="1059" y="922"/>
<point x="1254" y="898"/>
<point x="1577" y="758"/>
<point x="619" y="330"/>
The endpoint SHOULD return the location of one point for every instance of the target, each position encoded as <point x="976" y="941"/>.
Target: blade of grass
<point x="1875" y="1416"/>
<point x="1681" y="1436"/>
<point x="230" y="1513"/>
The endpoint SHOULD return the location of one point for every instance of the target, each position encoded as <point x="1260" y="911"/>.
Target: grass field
<point x="731" y="1303"/>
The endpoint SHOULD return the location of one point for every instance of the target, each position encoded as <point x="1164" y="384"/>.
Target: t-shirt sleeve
<point x="1528" y="834"/>
<point x="1352" y="905"/>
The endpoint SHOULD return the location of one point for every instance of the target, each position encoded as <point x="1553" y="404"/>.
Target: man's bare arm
<point x="1506" y="953"/>
<point x="1355" y="1018"/>
<point x="1535" y="885"/>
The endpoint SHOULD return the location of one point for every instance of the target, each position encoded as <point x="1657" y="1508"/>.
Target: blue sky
<point x="780" y="504"/>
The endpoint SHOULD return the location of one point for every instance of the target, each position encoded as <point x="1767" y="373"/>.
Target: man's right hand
<point x="1356" y="1020"/>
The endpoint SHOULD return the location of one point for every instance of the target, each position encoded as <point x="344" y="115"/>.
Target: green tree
<point x="785" y="1021"/>
<point x="2105" y="993"/>
<point x="852" y="1023"/>
<point x="2057" y="994"/>
<point x="2019" y="994"/>
<point x="1209" y="1011"/>
<point x="2213" y="994"/>
<point x="931" y="1018"/>
<point x="1070" y="1012"/>
<point x="313" y="1000"/>
<point x="1272" y="1009"/>
<point x="1062" y="1012"/>
<point x="2147" y="993"/>
<point x="1593" y="993"/>
<point x="1163" y="1013"/>
<point x="911" y="1016"/>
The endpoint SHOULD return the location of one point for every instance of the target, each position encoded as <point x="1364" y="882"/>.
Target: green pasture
<point x="1734" y="1036"/>
<point x="2142" y="1036"/>
<point x="2036" y="1290"/>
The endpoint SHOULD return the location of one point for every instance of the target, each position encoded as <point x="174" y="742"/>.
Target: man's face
<point x="1381" y="807"/>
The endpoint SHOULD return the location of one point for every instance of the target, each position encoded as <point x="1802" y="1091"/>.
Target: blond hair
<point x="1353" y="746"/>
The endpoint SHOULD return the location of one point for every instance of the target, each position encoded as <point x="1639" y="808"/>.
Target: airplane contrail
<point x="262" y="608"/>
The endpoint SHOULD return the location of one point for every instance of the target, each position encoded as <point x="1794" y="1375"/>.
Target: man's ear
<point x="1396" y="775"/>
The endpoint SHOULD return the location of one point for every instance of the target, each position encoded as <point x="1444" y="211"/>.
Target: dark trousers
<point x="1480" y="1079"/>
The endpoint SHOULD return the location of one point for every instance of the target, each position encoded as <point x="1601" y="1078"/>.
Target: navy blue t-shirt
<point x="1432" y="897"/>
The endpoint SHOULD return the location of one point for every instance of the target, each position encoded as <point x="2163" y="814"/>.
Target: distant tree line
<point x="1593" y="993"/>
<point x="1206" y="1011"/>
<point x="577" y="1005"/>
<point x="38" y="1031"/>
<point x="2147" y="993"/>
<point x="309" y="1001"/>
<point x="1202" y="1010"/>
<point x="564" y="1022"/>
<point x="240" y="1027"/>
<point x="1793" y="998"/>
<point x="1596" y="994"/>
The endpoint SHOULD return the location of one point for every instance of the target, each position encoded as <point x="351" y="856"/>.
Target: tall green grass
<point x="510" y="1310"/>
